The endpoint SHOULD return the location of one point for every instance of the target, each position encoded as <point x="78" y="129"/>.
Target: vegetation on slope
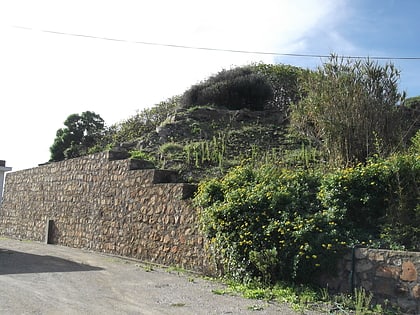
<point x="277" y="134"/>
<point x="295" y="165"/>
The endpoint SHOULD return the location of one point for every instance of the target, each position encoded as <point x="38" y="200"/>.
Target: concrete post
<point x="3" y="169"/>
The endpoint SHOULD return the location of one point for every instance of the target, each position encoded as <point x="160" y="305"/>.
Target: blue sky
<point x="45" y="77"/>
<point x="371" y="28"/>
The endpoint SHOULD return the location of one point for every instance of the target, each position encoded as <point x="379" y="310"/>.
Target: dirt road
<point x="36" y="278"/>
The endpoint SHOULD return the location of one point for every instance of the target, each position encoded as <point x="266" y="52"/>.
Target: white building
<point x="3" y="170"/>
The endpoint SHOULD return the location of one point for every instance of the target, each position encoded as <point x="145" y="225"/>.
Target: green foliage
<point x="140" y="155"/>
<point x="207" y="152"/>
<point x="238" y="88"/>
<point x="285" y="82"/>
<point x="357" y="193"/>
<point x="380" y="200"/>
<point x="171" y="150"/>
<point x="359" y="303"/>
<point x="143" y="122"/>
<point x="267" y="224"/>
<point x="82" y="133"/>
<point x="415" y="143"/>
<point x="350" y="110"/>
<point x="412" y="102"/>
<point x="302" y="298"/>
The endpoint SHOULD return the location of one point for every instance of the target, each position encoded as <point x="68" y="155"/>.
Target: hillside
<point x="203" y="141"/>
<point x="244" y="112"/>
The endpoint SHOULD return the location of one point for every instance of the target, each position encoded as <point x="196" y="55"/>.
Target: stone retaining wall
<point x="106" y="205"/>
<point x="392" y="276"/>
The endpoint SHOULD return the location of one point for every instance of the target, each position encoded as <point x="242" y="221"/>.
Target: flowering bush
<point x="267" y="224"/>
<point x="271" y="224"/>
<point x="379" y="200"/>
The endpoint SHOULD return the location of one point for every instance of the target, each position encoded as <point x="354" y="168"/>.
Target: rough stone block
<point x="138" y="164"/>
<point x="409" y="271"/>
<point x="388" y="272"/>
<point x="363" y="266"/>
<point x="164" y="176"/>
<point x="386" y="287"/>
<point x="360" y="253"/>
<point x="416" y="291"/>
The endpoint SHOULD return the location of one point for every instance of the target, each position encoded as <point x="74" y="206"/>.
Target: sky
<point x="115" y="58"/>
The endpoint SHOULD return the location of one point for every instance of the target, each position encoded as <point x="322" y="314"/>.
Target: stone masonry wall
<point x="106" y="205"/>
<point x="102" y="203"/>
<point x="391" y="276"/>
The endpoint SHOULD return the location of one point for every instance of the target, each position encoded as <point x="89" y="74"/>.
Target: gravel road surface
<point x="36" y="278"/>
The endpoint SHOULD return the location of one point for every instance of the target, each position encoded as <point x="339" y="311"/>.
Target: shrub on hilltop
<point x="238" y="88"/>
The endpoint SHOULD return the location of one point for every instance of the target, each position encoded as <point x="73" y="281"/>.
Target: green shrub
<point x="266" y="224"/>
<point x="171" y="148"/>
<point x="137" y="154"/>
<point x="358" y="193"/>
<point x="415" y="143"/>
<point x="379" y="200"/>
<point x="284" y="80"/>
<point x="238" y="88"/>
<point x="402" y="226"/>
<point x="143" y="122"/>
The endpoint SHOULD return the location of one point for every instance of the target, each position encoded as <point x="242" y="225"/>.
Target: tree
<point x="238" y="88"/>
<point x="350" y="109"/>
<point x="81" y="133"/>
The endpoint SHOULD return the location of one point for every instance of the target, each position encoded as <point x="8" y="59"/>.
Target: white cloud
<point x="45" y="77"/>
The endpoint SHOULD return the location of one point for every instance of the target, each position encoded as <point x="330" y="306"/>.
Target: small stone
<point x="166" y="239"/>
<point x="363" y="266"/>
<point x="386" y="287"/>
<point x="360" y="253"/>
<point x="409" y="272"/>
<point x="388" y="272"/>
<point x="416" y="291"/>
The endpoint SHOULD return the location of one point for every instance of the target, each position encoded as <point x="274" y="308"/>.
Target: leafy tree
<point x="350" y="109"/>
<point x="238" y="88"/>
<point x="81" y="133"/>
